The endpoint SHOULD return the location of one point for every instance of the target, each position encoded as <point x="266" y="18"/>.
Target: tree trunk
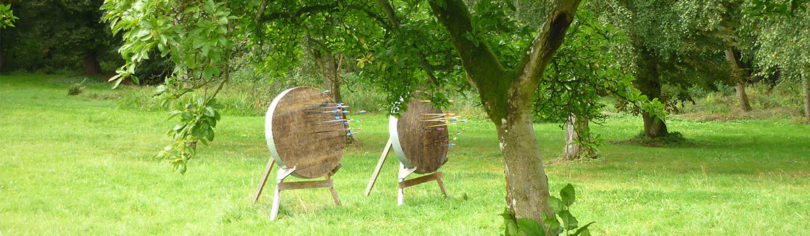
<point x="573" y="149"/>
<point x="738" y="76"/>
<point x="571" y="144"/>
<point x="742" y="97"/>
<point x="648" y="82"/>
<point x="330" y="72"/>
<point x="325" y="60"/>
<point x="91" y="65"/>
<point x="653" y="127"/>
<point x="526" y="181"/>
<point x="331" y="77"/>
<point x="806" y="92"/>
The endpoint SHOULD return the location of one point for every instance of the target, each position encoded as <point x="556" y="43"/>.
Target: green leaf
<point x="551" y="223"/>
<point x="531" y="227"/>
<point x="583" y="231"/>
<point x="568" y="195"/>
<point x="569" y="221"/>
<point x="209" y="112"/>
<point x="556" y="204"/>
<point x="509" y="222"/>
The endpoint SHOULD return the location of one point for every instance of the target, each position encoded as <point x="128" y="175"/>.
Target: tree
<point x="785" y="23"/>
<point x="507" y="93"/>
<point x="585" y="69"/>
<point x="724" y="26"/>
<point x="198" y="39"/>
<point x="650" y="45"/>
<point x="661" y="53"/>
<point x="60" y="34"/>
<point x="318" y="31"/>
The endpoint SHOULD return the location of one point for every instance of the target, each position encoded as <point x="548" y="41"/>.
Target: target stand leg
<point x="263" y="180"/>
<point x="379" y="166"/>
<point x="332" y="190"/>
<point x="283" y="173"/>
<point x="405" y="172"/>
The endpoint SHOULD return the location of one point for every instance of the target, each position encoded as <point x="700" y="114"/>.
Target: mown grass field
<point x="81" y="165"/>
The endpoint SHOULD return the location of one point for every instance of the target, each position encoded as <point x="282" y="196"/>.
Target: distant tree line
<point x="65" y="36"/>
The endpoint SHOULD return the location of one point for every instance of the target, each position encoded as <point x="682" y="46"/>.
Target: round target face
<point x="419" y="137"/>
<point x="304" y="129"/>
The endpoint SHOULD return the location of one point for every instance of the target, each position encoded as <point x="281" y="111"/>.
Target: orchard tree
<point x="507" y="89"/>
<point x="730" y="27"/>
<point x="723" y="26"/>
<point x="784" y="42"/>
<point x="661" y="54"/>
<point x="198" y="39"/>
<point x="320" y="31"/>
<point x="651" y="42"/>
<point x="585" y="69"/>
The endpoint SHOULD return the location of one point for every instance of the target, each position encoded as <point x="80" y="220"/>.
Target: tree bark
<point x="526" y="181"/>
<point x="806" y="92"/>
<point x="738" y="77"/>
<point x="325" y="60"/>
<point x="571" y="144"/>
<point x="573" y="149"/>
<point x="331" y="77"/>
<point x="743" y="97"/>
<point x="648" y="82"/>
<point x="507" y="97"/>
<point x="91" y="65"/>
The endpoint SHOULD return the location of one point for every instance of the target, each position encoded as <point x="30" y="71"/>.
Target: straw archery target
<point x="418" y="140"/>
<point x="304" y="129"/>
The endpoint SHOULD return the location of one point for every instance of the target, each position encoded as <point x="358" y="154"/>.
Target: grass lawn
<point x="81" y="165"/>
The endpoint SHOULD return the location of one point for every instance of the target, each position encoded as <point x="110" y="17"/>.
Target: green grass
<point x="81" y="165"/>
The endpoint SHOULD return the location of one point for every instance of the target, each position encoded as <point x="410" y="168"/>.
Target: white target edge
<point x="268" y="127"/>
<point x="394" y="136"/>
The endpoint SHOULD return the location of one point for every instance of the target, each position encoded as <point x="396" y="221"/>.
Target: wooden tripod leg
<point x="403" y="173"/>
<point x="334" y="193"/>
<point x="264" y="179"/>
<point x="282" y="174"/>
<point x="441" y="185"/>
<point x="379" y="166"/>
<point x="276" y="202"/>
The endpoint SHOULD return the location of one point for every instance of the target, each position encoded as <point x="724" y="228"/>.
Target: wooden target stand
<point x="282" y="174"/>
<point x="298" y="125"/>
<point x="404" y="172"/>
<point x="420" y="148"/>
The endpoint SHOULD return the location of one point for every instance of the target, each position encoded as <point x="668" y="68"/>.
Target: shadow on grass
<point x="674" y="139"/>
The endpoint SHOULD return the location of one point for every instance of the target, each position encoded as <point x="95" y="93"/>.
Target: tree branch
<point x="548" y="40"/>
<point x="455" y="17"/>
<point x="483" y="69"/>
<point x="389" y="11"/>
<point x="260" y="12"/>
<point x="426" y="66"/>
<point x="371" y="14"/>
<point x="300" y="12"/>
